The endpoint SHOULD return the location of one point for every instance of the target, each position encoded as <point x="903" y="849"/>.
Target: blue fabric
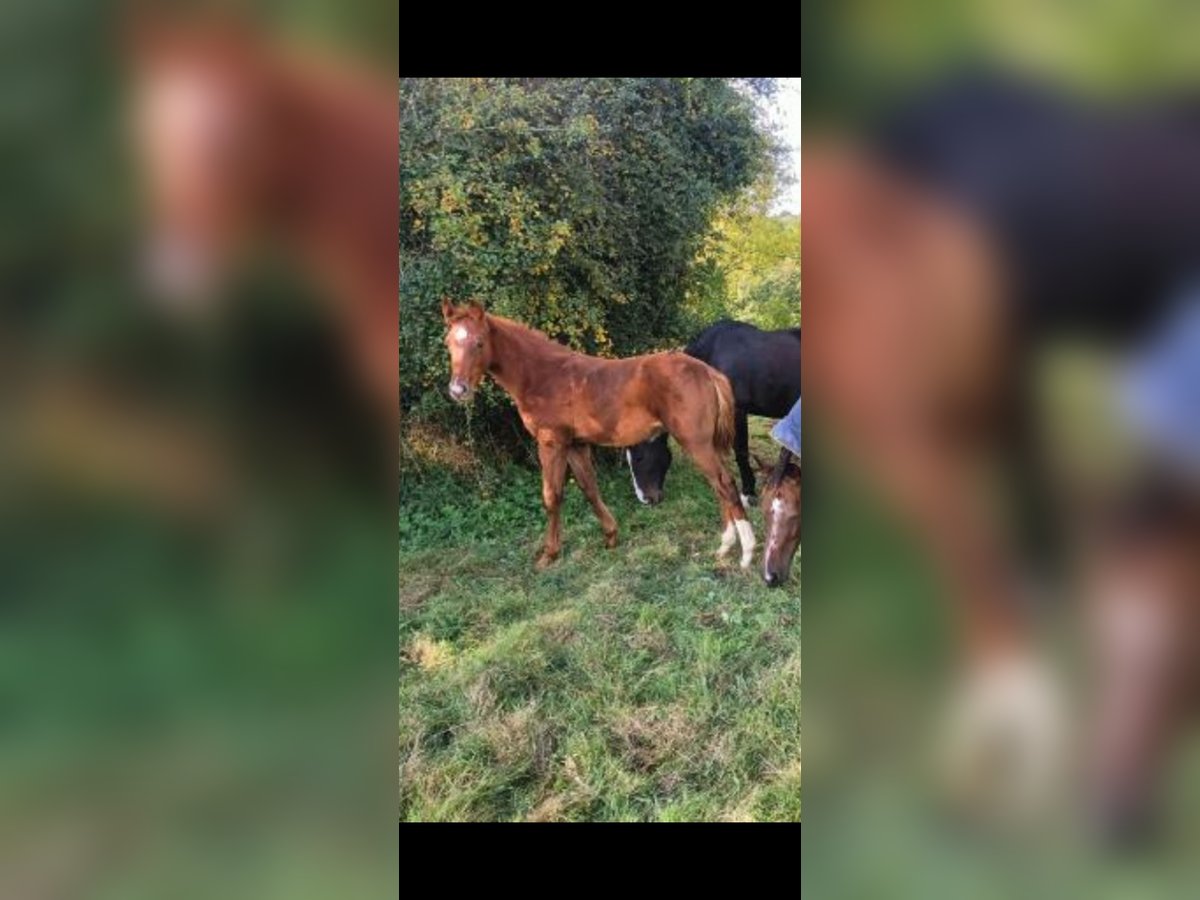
<point x="1159" y="394"/>
<point x="787" y="430"/>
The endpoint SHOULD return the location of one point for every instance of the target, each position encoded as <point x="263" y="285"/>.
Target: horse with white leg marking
<point x="781" y="501"/>
<point x="763" y="367"/>
<point x="569" y="401"/>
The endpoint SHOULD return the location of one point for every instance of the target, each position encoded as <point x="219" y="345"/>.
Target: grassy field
<point x="640" y="683"/>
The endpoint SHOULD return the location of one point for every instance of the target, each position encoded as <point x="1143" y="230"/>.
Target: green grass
<point x="641" y="683"/>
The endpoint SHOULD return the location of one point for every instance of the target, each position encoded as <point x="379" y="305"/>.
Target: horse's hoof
<point x="544" y="561"/>
<point x="1001" y="748"/>
<point x="610" y="540"/>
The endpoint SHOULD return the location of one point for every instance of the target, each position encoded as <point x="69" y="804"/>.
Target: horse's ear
<point x="447" y="310"/>
<point x="475" y="311"/>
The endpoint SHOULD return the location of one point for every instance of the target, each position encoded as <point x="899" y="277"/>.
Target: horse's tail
<point x="723" y="428"/>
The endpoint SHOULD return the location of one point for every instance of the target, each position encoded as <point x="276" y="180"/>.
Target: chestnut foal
<point x="569" y="401"/>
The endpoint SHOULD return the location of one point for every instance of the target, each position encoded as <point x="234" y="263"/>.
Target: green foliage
<point x="861" y="53"/>
<point x="751" y="266"/>
<point x="578" y="206"/>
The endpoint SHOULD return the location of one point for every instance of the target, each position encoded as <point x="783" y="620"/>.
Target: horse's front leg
<point x="733" y="515"/>
<point x="1144" y="623"/>
<point x="741" y="450"/>
<point x="1004" y="731"/>
<point x="552" y="454"/>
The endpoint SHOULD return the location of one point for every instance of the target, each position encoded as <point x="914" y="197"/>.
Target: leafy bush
<point x="577" y="206"/>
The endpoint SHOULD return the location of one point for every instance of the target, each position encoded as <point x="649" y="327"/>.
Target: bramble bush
<point x="577" y="206"/>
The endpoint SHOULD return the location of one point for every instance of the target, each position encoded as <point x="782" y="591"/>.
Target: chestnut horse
<point x="781" y="516"/>
<point x="569" y="401"/>
<point x="241" y="139"/>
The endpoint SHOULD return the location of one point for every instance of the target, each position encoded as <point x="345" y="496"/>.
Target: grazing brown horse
<point x="781" y="516"/>
<point x="569" y="401"/>
<point x="239" y="140"/>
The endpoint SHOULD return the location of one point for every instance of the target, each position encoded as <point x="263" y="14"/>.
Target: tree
<point x="578" y="206"/>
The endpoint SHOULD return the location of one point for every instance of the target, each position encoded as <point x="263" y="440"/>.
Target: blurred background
<point x="880" y="647"/>
<point x="197" y="506"/>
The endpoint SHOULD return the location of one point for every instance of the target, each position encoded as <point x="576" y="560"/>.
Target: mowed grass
<point x="641" y="683"/>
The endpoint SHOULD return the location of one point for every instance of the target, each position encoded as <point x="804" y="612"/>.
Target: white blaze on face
<point x="461" y="334"/>
<point x="778" y="510"/>
<point x="181" y="116"/>
<point x="636" y="489"/>
<point x="184" y="105"/>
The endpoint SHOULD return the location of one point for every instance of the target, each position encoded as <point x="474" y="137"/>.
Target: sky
<point x="786" y="115"/>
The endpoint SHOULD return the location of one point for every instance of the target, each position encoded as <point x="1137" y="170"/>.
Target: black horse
<point x="764" y="369"/>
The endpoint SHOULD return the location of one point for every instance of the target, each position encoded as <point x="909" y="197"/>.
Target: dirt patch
<point x="558" y="627"/>
<point x="520" y="737"/>
<point x="414" y="592"/>
<point x="424" y="444"/>
<point x="648" y="736"/>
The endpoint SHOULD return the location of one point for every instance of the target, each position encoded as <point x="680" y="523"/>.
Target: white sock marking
<point x="727" y="540"/>
<point x="746" y="536"/>
<point x="637" y="490"/>
<point x="1017" y="701"/>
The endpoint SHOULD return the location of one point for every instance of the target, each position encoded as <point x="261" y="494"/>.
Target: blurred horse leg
<point x="1143" y="610"/>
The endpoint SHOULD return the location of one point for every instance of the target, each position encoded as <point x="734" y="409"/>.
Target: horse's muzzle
<point x="773" y="578"/>
<point x="459" y="391"/>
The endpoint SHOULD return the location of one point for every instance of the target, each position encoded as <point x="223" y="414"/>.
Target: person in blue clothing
<point x="787" y="430"/>
<point x="1159" y="394"/>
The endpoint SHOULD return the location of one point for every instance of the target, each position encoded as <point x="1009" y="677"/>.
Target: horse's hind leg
<point x="552" y="454"/>
<point x="579" y="457"/>
<point x="741" y="450"/>
<point x="733" y="515"/>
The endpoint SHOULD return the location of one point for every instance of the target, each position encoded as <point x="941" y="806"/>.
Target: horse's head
<point x="469" y="339"/>
<point x="648" y="462"/>
<point x="1145" y="628"/>
<point x="202" y="122"/>
<point x="781" y="518"/>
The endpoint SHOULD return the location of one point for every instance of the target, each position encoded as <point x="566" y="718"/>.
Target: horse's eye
<point x="478" y="343"/>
